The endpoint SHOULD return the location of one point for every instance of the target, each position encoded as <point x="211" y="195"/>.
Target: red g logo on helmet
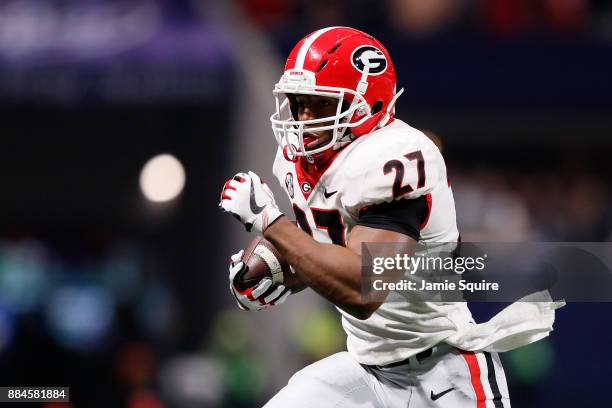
<point x="369" y="56"/>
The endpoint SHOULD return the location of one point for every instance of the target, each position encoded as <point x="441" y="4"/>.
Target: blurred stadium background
<point x="113" y="265"/>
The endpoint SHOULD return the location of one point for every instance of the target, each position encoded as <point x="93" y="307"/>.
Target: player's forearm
<point x="331" y="270"/>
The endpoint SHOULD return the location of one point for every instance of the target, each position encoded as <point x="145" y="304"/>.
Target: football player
<point x="355" y="173"/>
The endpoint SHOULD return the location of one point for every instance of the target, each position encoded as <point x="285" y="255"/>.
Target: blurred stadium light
<point x="23" y="276"/>
<point x="162" y="178"/>
<point x="531" y="364"/>
<point x="192" y="380"/>
<point x="80" y="316"/>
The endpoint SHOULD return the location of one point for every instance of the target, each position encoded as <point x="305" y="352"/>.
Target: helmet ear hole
<point x="376" y="107"/>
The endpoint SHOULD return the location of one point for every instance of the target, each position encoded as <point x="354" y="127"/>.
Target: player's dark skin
<point x="313" y="107"/>
<point x="332" y="271"/>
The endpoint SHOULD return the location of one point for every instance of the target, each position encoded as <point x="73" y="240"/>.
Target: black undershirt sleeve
<point x="404" y="216"/>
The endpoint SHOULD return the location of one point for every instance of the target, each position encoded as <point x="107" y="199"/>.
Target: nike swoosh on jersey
<point x="440" y="394"/>
<point x="327" y="195"/>
<point x="255" y="209"/>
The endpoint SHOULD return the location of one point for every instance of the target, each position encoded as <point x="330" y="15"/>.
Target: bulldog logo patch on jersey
<point x="289" y="184"/>
<point x="368" y="55"/>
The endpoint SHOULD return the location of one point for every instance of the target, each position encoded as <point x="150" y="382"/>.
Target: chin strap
<point x="289" y="153"/>
<point x="390" y="109"/>
<point x="362" y="87"/>
<point x="345" y="139"/>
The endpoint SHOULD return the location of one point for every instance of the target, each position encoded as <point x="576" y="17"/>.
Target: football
<point x="263" y="260"/>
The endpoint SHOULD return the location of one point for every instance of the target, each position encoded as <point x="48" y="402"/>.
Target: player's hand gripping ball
<point x="260" y="296"/>
<point x="260" y="277"/>
<point x="265" y="262"/>
<point x="251" y="201"/>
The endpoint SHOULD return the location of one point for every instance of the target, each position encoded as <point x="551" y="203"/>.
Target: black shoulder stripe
<point x="404" y="216"/>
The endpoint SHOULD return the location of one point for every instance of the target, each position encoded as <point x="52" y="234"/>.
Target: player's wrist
<point x="277" y="225"/>
<point x="261" y="223"/>
<point x="277" y="215"/>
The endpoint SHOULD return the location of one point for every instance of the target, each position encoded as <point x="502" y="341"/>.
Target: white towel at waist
<point x="523" y="322"/>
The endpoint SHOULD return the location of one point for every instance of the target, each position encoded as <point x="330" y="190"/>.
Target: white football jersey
<point x="394" y="162"/>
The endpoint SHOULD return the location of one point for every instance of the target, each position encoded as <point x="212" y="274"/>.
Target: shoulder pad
<point x="387" y="166"/>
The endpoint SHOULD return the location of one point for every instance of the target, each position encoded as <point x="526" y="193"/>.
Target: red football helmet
<point x="338" y="62"/>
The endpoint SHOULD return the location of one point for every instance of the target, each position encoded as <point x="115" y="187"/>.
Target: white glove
<point x="250" y="200"/>
<point x="253" y="298"/>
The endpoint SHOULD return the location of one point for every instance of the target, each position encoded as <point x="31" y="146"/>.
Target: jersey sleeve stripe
<point x="429" y="202"/>
<point x="403" y="216"/>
